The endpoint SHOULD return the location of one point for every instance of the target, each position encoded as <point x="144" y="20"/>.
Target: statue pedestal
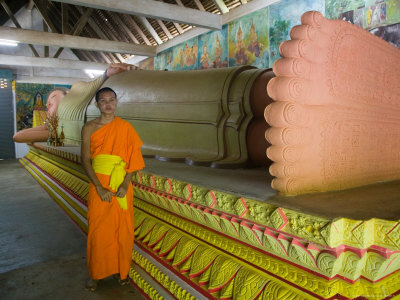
<point x="207" y="233"/>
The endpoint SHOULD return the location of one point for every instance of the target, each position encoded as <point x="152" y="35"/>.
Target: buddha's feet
<point x="336" y="120"/>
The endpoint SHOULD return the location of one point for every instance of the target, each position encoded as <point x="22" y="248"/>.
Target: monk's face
<point x="107" y="102"/>
<point x="53" y="100"/>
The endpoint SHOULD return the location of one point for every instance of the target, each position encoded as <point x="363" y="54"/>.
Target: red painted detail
<point x="153" y="179"/>
<point x="180" y="276"/>
<point x="245" y="207"/>
<point x="168" y="250"/>
<point x="189" y="188"/>
<point x="202" y="271"/>
<point x="284" y="218"/>
<point x="170" y="186"/>
<point x="214" y="199"/>
<point x="156" y="242"/>
<point x="221" y="286"/>
<point x="300" y="245"/>
<point x="185" y="259"/>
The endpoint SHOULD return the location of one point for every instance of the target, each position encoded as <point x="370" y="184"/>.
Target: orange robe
<point x="111" y="232"/>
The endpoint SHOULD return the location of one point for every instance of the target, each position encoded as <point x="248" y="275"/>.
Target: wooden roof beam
<point x="164" y="28"/>
<point x="137" y="28"/>
<point x="78" y="27"/>
<point x="15" y="21"/>
<point x="125" y="28"/>
<point x="150" y="29"/>
<point x="155" y="10"/>
<point x="45" y="62"/>
<point x="221" y="6"/>
<point x="74" y="42"/>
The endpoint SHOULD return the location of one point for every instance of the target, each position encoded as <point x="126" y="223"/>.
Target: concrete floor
<point x="42" y="253"/>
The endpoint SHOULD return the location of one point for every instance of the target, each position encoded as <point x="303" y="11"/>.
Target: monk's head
<point x="106" y="100"/>
<point x="54" y="98"/>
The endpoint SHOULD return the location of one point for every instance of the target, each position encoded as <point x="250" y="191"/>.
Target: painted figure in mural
<point x="181" y="58"/>
<point x="254" y="46"/>
<point x="188" y="54"/>
<point x="194" y="54"/>
<point x="169" y="59"/>
<point x="205" y="58"/>
<point x="218" y="63"/>
<point x="39" y="111"/>
<point x="40" y="133"/>
<point x="110" y="154"/>
<point x="240" y="55"/>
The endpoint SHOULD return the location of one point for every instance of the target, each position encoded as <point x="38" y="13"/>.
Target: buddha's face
<point x="53" y="100"/>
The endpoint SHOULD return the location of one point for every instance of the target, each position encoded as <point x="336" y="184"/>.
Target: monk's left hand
<point x="121" y="191"/>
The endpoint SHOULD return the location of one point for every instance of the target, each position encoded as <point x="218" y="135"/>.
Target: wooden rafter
<point x="150" y="29"/>
<point x="138" y="30"/>
<point x="125" y="28"/>
<point x="221" y="6"/>
<point x="75" y="42"/>
<point x="12" y="60"/>
<point x="64" y="18"/>
<point x="165" y="29"/>
<point x="78" y="27"/>
<point x="16" y="23"/>
<point x="155" y="10"/>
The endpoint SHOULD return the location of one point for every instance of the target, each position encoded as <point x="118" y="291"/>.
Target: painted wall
<point x="26" y="96"/>
<point x="254" y="39"/>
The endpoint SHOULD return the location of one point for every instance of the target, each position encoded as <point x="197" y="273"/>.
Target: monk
<point x="110" y="154"/>
<point x="40" y="133"/>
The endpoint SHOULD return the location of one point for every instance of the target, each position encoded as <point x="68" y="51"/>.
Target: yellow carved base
<point x="231" y="247"/>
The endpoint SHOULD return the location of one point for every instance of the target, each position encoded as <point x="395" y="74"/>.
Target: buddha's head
<point x="53" y="100"/>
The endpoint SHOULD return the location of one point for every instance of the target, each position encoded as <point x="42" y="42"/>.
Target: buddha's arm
<point x="30" y="135"/>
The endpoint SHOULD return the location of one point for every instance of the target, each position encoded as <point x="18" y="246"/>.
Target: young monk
<point x="110" y="154"/>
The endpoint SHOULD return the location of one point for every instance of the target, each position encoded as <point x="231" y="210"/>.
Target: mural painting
<point x="283" y="16"/>
<point x="249" y="41"/>
<point x="213" y="49"/>
<point x="334" y="8"/>
<point x="163" y="61"/>
<point x="185" y="55"/>
<point x="254" y="39"/>
<point x="377" y="16"/>
<point x="392" y="11"/>
<point x="390" y="33"/>
<point x="30" y="101"/>
<point x="147" y="64"/>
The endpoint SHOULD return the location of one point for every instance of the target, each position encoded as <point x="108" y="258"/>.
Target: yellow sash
<point x="114" y="166"/>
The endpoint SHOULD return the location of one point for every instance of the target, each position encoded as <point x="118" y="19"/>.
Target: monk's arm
<point x="104" y="194"/>
<point x="30" y="135"/>
<point x="123" y="188"/>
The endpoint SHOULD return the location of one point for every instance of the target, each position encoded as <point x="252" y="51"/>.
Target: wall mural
<point x="283" y="15"/>
<point x="254" y="39"/>
<point x="147" y="64"/>
<point x="249" y="41"/>
<point x="163" y="61"/>
<point x="30" y="101"/>
<point x="213" y="49"/>
<point x="185" y="55"/>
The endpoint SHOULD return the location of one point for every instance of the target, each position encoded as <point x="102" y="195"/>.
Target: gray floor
<point x="42" y="253"/>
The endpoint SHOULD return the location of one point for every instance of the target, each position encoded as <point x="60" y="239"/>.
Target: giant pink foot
<point x="335" y="122"/>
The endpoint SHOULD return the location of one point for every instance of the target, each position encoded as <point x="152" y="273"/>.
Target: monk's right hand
<point x="104" y="194"/>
